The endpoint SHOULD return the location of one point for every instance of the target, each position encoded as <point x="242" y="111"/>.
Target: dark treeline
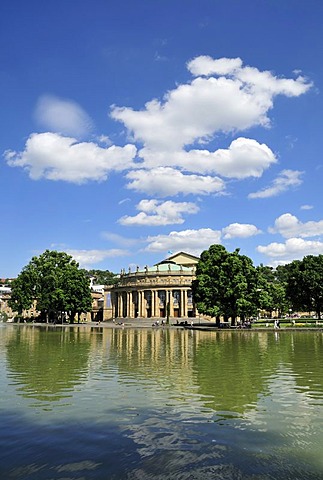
<point x="228" y="285"/>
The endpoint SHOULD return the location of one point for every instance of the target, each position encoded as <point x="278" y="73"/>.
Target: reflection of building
<point x="154" y="292"/>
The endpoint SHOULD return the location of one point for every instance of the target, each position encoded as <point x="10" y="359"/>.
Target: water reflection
<point x="160" y="403"/>
<point x="226" y="371"/>
<point x="46" y="363"/>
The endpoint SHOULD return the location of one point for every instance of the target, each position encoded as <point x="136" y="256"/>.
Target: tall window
<point x="176" y="297"/>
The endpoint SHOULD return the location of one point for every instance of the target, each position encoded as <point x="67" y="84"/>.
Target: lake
<point x="84" y="402"/>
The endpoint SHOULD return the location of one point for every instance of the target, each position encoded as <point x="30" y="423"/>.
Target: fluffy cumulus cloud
<point x="234" y="98"/>
<point x="195" y="241"/>
<point x="287" y="179"/>
<point x="62" y="116"/>
<point x="166" y="181"/>
<point x="192" y="241"/>
<point x="205" y="65"/>
<point x="244" y="158"/>
<point x="239" y="230"/>
<point x="292" y="249"/>
<point x="222" y="96"/>
<point x="86" y="258"/>
<point x="290" y="226"/>
<point x="54" y="157"/>
<point x="254" y="78"/>
<point x="155" y="213"/>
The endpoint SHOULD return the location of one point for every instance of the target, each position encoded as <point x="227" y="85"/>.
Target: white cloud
<point x="240" y="230"/>
<point x="191" y="241"/>
<point x="286" y="180"/>
<point x="54" y="157"/>
<point x="222" y="96"/>
<point x="62" y="116"/>
<point x="290" y="226"/>
<point x="124" y="200"/>
<point x="244" y="158"/>
<point x="238" y="99"/>
<point x="266" y="85"/>
<point x="292" y="249"/>
<point x="155" y="213"/>
<point x="87" y="258"/>
<point x="165" y="181"/>
<point x="205" y="65"/>
<point x="105" y="140"/>
<point x="119" y="239"/>
<point x="306" y="207"/>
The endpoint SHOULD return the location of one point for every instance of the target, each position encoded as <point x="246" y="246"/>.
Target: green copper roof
<point x="159" y="268"/>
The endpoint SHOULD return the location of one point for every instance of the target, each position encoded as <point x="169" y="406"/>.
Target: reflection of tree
<point x="232" y="368"/>
<point x="47" y="364"/>
<point x="306" y="355"/>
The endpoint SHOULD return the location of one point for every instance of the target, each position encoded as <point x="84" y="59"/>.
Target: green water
<point x="99" y="403"/>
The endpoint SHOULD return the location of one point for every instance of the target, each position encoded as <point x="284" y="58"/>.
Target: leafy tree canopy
<point x="54" y="281"/>
<point x="226" y="284"/>
<point x="304" y="283"/>
<point x="271" y="290"/>
<point x="103" y="277"/>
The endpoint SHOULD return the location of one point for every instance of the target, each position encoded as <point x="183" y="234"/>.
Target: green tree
<point x="57" y="285"/>
<point x="103" y="277"/>
<point x="226" y="284"/>
<point x="305" y="283"/>
<point x="271" y="290"/>
<point x="22" y="292"/>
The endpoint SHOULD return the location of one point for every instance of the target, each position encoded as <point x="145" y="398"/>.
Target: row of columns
<point x="133" y="304"/>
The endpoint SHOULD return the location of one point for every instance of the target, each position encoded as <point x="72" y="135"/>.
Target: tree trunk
<point x="72" y="317"/>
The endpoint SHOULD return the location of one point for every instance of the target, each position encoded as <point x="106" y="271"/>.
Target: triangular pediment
<point x="181" y="258"/>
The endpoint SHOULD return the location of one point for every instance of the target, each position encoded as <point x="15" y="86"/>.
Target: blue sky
<point x="131" y="129"/>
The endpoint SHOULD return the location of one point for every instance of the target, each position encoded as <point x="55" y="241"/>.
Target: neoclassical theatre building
<point x="151" y="292"/>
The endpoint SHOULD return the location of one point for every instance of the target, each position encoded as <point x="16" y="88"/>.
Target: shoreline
<point x="130" y="323"/>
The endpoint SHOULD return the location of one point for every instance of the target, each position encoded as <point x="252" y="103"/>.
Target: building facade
<point x="5" y="310"/>
<point x="161" y="291"/>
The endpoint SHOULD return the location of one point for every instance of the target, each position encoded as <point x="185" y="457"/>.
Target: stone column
<point x="114" y="304"/>
<point x="131" y="315"/>
<point x="139" y="304"/>
<point x="143" y="305"/>
<point x="130" y="305"/>
<point x="157" y="312"/>
<point x="182" y="304"/>
<point x="127" y="304"/>
<point x="120" y="304"/>
<point x="117" y="304"/>
<point x="130" y="309"/>
<point x="153" y="314"/>
<point x="133" y="296"/>
<point x="171" y="303"/>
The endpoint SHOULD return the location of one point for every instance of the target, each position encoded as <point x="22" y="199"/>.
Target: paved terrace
<point x="198" y="324"/>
